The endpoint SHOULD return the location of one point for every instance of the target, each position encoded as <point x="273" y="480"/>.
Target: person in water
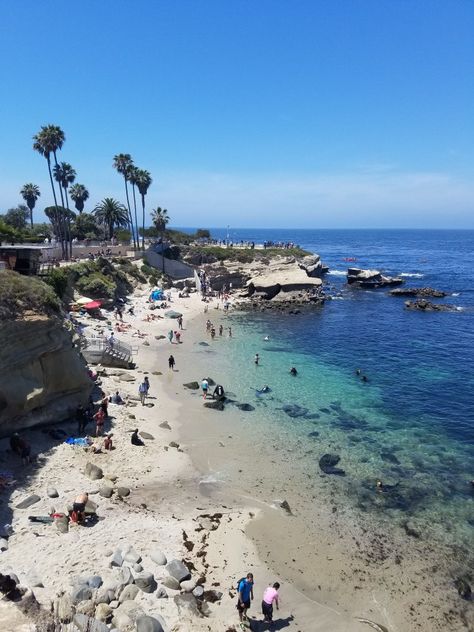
<point x="257" y="359"/>
<point x="218" y="392"/>
<point x="293" y="371"/>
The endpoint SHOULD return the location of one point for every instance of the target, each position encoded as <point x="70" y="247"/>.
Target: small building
<point x="22" y="258"/>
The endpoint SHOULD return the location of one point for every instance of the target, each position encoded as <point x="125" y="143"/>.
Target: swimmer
<point x="364" y="378"/>
<point x="257" y="359"/>
<point x="379" y="486"/>
<point x="358" y="371"/>
<point x="293" y="371"/>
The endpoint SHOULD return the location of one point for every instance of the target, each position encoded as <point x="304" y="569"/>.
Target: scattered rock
<point x="158" y="557"/>
<point x="94" y="581"/>
<point x="81" y="593"/>
<point x="463" y="587"/>
<point x="27" y="502"/>
<point x="103" y="611"/>
<point x="171" y="582"/>
<point x="328" y="462"/>
<point x="216" y="404"/>
<point x="128" y="593"/>
<point x="173" y="444"/>
<point x="125" y="576"/>
<point x="94" y="472"/>
<point x="123" y="492"/>
<point x="132" y="557"/>
<point x="86" y="607"/>
<point x="410" y="530"/>
<point x="212" y="595"/>
<point x="187" y="605"/>
<point x="127" y="377"/>
<point x="126" y="614"/>
<point x="161" y="592"/>
<point x="145" y="582"/>
<point x="146" y="435"/>
<point x="62" y="524"/>
<point x="148" y="624"/>
<point x="87" y="624"/>
<point x="192" y="385"/>
<point x="91" y="508"/>
<point x="165" y="425"/>
<point x="422" y="305"/>
<point x="106" y="491"/>
<point x="198" y="592"/>
<point x="62" y="608"/>
<point x="117" y="559"/>
<point x="3" y="544"/>
<point x="418" y="292"/>
<point x="178" y="570"/>
<point x="284" y="505"/>
<point x="52" y="492"/>
<point x="188" y="585"/>
<point x="137" y="568"/>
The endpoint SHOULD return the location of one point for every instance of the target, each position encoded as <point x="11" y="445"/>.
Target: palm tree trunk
<point x="58" y="226"/>
<point x="136" y="218"/>
<point x="143" y="222"/>
<point x="130" y="218"/>
<point x="62" y="221"/>
<point x="162" y="251"/>
<point x="68" y="224"/>
<point x="31" y="216"/>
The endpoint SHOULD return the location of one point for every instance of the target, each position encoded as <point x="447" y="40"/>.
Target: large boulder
<point x="312" y="265"/>
<point x="84" y="623"/>
<point x="328" y="463"/>
<point x="126" y="615"/>
<point x="422" y="305"/>
<point x="178" y="570"/>
<point x="158" y="557"/>
<point x="418" y="292"/>
<point x="370" y="278"/>
<point x="94" y="472"/>
<point x="148" y="624"/>
<point x="145" y="582"/>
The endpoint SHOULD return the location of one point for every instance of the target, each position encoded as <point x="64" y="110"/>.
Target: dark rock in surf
<point x="463" y="587"/>
<point x="216" y="404"/>
<point x="422" y="305"/>
<point x="315" y="433"/>
<point x="294" y="410"/>
<point x="328" y="462"/>
<point x="422" y="292"/>
<point x="192" y="385"/>
<point x="326" y="411"/>
<point x="245" y="407"/>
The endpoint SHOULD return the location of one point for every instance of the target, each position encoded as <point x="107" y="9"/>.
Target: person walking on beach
<point x="221" y="330"/>
<point x="205" y="388"/>
<point x="171" y="363"/>
<point x="270" y="597"/>
<point x="230" y="332"/>
<point x="146" y="381"/>
<point x="245" y="595"/>
<point x="142" y="392"/>
<point x="170" y="335"/>
<point x="180" y="322"/>
<point x="99" y="419"/>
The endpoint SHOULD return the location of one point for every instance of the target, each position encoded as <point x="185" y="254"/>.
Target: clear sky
<point x="295" y="113"/>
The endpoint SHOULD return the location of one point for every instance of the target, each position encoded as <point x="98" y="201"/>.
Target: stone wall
<point x="174" y="269"/>
<point x="42" y="376"/>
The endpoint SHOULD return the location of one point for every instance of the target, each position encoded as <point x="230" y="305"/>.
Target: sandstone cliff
<point x="42" y="377"/>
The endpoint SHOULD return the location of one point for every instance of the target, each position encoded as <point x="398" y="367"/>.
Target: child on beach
<point x="205" y="388"/>
<point x="171" y="363"/>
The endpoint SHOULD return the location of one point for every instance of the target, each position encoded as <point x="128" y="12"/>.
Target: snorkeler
<point x="293" y="371"/>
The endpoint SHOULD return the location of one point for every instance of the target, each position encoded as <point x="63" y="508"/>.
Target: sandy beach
<point x="221" y="529"/>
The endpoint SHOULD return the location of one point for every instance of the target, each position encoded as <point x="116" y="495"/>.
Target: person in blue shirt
<point x="245" y="590"/>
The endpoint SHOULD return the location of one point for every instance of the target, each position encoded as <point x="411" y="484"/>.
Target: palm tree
<point x="65" y="175"/>
<point x="160" y="218"/>
<point x="79" y="194"/>
<point x="132" y="174"/>
<point x="30" y="193"/>
<point x="122" y="163"/>
<point x="47" y="141"/>
<point x="111" y="213"/>
<point x="143" y="182"/>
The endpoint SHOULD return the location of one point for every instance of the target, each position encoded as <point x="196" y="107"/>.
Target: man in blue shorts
<point x="245" y="590"/>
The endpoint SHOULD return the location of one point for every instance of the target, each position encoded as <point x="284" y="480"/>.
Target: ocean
<point x="411" y="425"/>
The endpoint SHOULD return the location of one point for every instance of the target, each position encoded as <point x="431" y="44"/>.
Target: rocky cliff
<point x="42" y="376"/>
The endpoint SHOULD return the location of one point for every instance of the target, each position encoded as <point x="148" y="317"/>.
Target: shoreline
<point x="167" y="478"/>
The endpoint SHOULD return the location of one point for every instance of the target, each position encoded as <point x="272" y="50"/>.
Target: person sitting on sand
<point x="245" y="595"/>
<point x="270" y="597"/>
<point x="79" y="508"/>
<point x="108" y="444"/>
<point x="117" y="398"/>
<point x="135" y="439"/>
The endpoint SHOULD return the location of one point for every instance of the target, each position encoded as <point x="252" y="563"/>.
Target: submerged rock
<point x="192" y="385"/>
<point x="422" y="305"/>
<point x="245" y="407"/>
<point x="463" y="587"/>
<point x="216" y="404"/>
<point x="328" y="462"/>
<point x="294" y="410"/>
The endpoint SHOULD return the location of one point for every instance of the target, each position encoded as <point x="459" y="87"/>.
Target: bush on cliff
<point x="22" y="294"/>
<point x="96" y="285"/>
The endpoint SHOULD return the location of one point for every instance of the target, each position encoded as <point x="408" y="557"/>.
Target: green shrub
<point x="96" y="285"/>
<point x="59" y="279"/>
<point x="21" y="294"/>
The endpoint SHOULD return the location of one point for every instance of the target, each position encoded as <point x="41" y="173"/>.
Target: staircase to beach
<point x="99" y="351"/>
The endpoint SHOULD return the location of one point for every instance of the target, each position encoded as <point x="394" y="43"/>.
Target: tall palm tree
<point x="47" y="141"/>
<point x="111" y="213"/>
<point x="160" y="219"/>
<point x="122" y="163"/>
<point x="143" y="182"/>
<point x="132" y="174"/>
<point x="30" y="193"/>
<point x="79" y="194"/>
<point x="65" y="175"/>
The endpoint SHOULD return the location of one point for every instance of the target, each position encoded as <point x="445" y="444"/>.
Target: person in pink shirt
<point x="270" y="596"/>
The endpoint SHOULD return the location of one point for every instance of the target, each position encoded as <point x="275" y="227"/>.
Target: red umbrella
<point x="92" y="305"/>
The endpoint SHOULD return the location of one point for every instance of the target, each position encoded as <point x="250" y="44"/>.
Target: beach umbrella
<point x="92" y="305"/>
<point x="83" y="300"/>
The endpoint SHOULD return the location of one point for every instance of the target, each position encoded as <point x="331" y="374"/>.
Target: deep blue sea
<point x="412" y="423"/>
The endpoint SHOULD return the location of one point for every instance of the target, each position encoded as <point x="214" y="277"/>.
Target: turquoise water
<point x="412" y="424"/>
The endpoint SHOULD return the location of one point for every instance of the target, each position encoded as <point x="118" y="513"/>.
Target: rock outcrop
<point x="42" y="377"/>
<point x="281" y="278"/>
<point x="420" y="292"/>
<point x="370" y="278"/>
<point x="422" y="305"/>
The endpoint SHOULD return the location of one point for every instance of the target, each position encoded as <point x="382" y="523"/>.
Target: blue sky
<point x="343" y="113"/>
